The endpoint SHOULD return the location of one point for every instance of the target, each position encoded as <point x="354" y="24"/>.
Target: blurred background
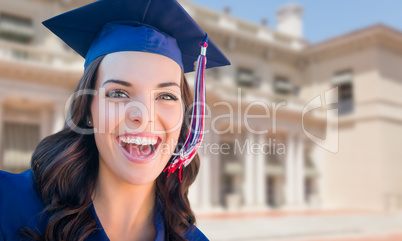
<point x="320" y="84"/>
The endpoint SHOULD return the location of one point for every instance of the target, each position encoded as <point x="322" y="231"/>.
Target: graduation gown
<point x="20" y="205"/>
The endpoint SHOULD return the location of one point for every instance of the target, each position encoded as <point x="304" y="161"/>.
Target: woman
<point x="102" y="177"/>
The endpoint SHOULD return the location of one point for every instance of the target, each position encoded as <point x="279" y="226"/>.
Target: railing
<point x="247" y="28"/>
<point x="39" y="55"/>
<point x="232" y="91"/>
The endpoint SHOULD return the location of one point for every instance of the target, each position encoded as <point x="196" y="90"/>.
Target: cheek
<point x="171" y="118"/>
<point x="106" y="115"/>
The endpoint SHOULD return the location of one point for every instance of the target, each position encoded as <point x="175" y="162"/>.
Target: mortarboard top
<point x="157" y="26"/>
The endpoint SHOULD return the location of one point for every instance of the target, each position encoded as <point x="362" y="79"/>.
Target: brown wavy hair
<point x="66" y="164"/>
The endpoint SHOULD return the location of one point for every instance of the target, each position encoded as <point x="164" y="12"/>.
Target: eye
<point x="167" y="96"/>
<point x="117" y="94"/>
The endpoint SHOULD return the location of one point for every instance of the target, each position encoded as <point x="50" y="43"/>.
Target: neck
<point x="123" y="208"/>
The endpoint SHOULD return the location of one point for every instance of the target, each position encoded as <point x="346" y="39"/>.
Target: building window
<point x="343" y="80"/>
<point x="16" y="29"/>
<point x="246" y="78"/>
<point x="282" y="85"/>
<point x="20" y="141"/>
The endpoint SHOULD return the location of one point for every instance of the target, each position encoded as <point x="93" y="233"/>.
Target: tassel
<point x="195" y="134"/>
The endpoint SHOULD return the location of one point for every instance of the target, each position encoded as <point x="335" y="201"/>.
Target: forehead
<point x="139" y="68"/>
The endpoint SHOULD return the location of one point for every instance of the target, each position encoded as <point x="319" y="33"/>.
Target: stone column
<point x="58" y="117"/>
<point x="203" y="189"/>
<point x="260" y="174"/>
<point x="290" y="171"/>
<point x="194" y="192"/>
<point x="205" y="175"/>
<point x="1" y="132"/>
<point x="45" y="123"/>
<point x="206" y="182"/>
<point x="299" y="171"/>
<point x="318" y="158"/>
<point x="216" y="174"/>
<point x="248" y="181"/>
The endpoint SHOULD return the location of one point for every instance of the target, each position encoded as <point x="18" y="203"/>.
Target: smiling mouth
<point x="138" y="149"/>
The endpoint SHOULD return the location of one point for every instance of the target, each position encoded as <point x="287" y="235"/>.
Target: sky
<point x="322" y="19"/>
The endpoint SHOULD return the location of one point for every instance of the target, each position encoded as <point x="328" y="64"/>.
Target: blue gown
<point x="20" y="205"/>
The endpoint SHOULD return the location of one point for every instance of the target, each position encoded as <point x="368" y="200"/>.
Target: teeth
<point x="140" y="140"/>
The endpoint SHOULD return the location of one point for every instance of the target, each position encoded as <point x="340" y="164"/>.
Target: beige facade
<point x="365" y="172"/>
<point x="275" y="75"/>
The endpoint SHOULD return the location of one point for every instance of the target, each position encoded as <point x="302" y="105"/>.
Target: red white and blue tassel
<point x="196" y="132"/>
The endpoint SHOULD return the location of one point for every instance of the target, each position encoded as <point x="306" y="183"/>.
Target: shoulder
<point x="19" y="202"/>
<point x="10" y="181"/>
<point x="17" y="188"/>
<point x="194" y="234"/>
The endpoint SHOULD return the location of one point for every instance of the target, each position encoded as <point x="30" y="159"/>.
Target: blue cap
<point x="155" y="26"/>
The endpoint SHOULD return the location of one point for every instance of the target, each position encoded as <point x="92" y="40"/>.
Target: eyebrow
<point x="127" y="84"/>
<point x="167" y="84"/>
<point x="121" y="82"/>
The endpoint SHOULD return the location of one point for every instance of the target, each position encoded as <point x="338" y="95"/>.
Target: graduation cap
<point x="155" y="26"/>
<point x="108" y="26"/>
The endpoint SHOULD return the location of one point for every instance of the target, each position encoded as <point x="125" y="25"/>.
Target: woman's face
<point x="137" y="115"/>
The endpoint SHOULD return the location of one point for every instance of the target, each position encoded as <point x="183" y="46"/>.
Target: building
<point x="324" y="119"/>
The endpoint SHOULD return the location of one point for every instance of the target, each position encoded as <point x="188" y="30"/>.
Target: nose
<point x="139" y="112"/>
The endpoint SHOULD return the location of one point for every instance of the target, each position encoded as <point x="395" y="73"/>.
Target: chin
<point x="141" y="174"/>
<point x="142" y="178"/>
